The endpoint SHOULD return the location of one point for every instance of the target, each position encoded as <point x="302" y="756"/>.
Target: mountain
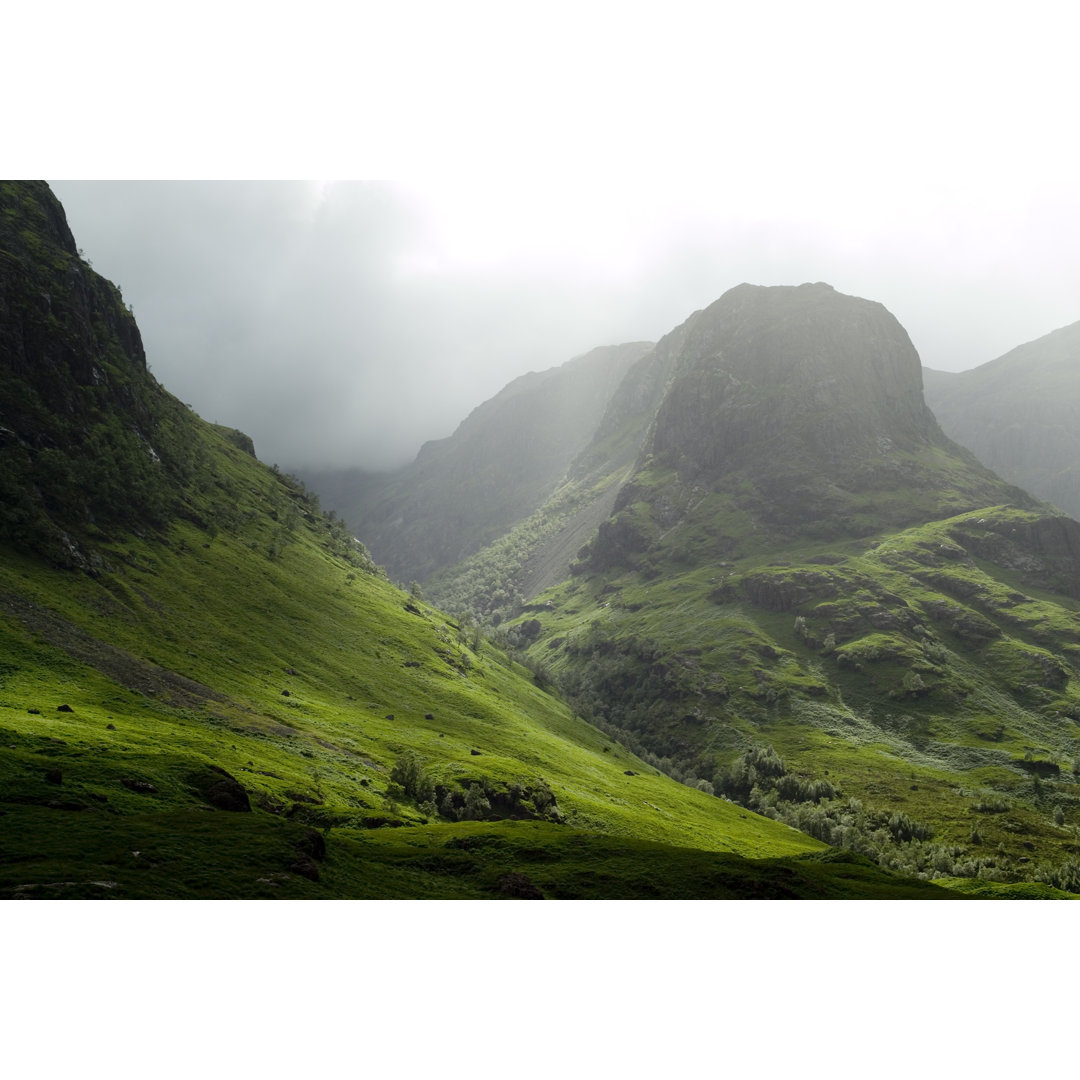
<point x="502" y="461"/>
<point x="807" y="598"/>
<point x="208" y="689"/>
<point x="1017" y="414"/>
<point x="800" y="409"/>
<point x="803" y="405"/>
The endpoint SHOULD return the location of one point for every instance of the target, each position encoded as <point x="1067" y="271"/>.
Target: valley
<point x="724" y="617"/>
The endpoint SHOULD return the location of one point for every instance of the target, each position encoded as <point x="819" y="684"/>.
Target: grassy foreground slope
<point x="196" y="673"/>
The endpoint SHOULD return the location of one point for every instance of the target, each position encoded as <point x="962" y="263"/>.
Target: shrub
<point x="477" y="806"/>
<point x="410" y="774"/>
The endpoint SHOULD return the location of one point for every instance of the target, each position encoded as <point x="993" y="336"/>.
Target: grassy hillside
<point x="912" y="696"/>
<point x="809" y="600"/>
<point x="267" y="652"/>
<point x="138" y="707"/>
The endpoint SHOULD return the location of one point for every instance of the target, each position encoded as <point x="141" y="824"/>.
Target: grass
<point x="305" y="680"/>
<point x="911" y="670"/>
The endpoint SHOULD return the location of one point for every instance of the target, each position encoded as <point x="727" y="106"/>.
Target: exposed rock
<point x="143" y="787"/>
<point x="313" y="845"/>
<point x="805" y="408"/>
<point x="300" y="797"/>
<point x="221" y="790"/>
<point x="519" y="886"/>
<point x="305" y="868"/>
<point x="228" y="794"/>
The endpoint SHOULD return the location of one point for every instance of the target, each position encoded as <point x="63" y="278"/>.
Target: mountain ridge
<point x="1016" y="414"/>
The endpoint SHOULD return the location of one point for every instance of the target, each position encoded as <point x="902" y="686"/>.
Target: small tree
<point x="410" y="773"/>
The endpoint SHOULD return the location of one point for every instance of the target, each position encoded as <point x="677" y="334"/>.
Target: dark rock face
<point x="87" y="435"/>
<point x="304" y="867"/>
<point x="803" y="408"/>
<point x="143" y="787"/>
<point x="519" y="886"/>
<point x="802" y="368"/>
<point x="313" y="845"/>
<point x="221" y="790"/>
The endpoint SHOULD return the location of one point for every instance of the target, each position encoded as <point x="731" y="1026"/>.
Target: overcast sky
<point x="575" y="175"/>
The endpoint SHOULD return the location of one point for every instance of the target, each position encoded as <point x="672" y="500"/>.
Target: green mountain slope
<point x="211" y="691"/>
<point x="1018" y="414"/>
<point x="809" y="599"/>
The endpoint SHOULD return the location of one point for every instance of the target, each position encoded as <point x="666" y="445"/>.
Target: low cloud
<point x="347" y="323"/>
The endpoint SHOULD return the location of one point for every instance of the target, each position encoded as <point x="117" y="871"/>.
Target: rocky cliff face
<point x="791" y="370"/>
<point x="1017" y="414"/>
<point x="88" y="439"/>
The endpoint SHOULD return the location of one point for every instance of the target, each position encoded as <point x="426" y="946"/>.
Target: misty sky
<point x="587" y="178"/>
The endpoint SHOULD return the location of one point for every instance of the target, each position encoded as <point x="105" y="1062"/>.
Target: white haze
<point x="579" y="176"/>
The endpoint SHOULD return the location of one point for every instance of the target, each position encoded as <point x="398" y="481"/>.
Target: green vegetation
<point x="209" y="689"/>
<point x="224" y="697"/>
<point x="907" y="682"/>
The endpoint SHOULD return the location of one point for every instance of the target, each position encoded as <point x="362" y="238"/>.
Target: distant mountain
<point x="502" y="462"/>
<point x="1018" y="413"/>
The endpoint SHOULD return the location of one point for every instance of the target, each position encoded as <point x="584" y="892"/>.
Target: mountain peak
<point x="798" y="369"/>
<point x="803" y="408"/>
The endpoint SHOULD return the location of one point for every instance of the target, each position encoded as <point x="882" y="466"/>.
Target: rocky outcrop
<point x="794" y="370"/>
<point x="87" y="436"/>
